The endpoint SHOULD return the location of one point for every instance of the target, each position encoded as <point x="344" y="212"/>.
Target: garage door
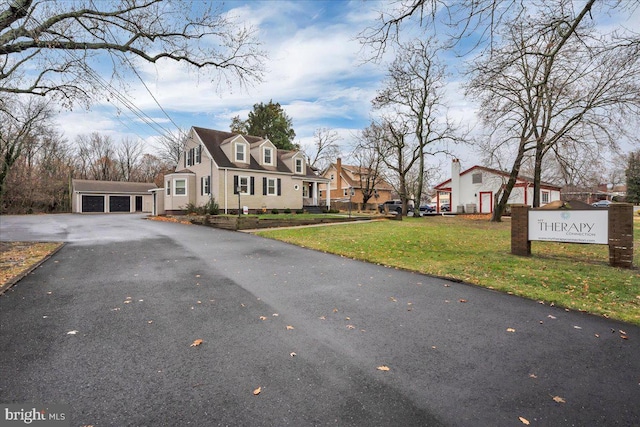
<point x="120" y="204"/>
<point x="92" y="203"/>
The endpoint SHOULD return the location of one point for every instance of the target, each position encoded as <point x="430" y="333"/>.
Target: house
<point x="239" y="171"/>
<point x="89" y="196"/>
<point x="345" y="178"/>
<point x="475" y="190"/>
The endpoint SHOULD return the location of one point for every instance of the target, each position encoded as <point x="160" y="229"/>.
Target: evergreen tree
<point x="268" y="121"/>
<point x="633" y="178"/>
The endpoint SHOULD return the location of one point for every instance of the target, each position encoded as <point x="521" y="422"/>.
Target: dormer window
<point x="268" y="156"/>
<point x="299" y="165"/>
<point x="240" y="153"/>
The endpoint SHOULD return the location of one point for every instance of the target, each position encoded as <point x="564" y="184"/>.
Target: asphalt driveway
<point x="108" y="324"/>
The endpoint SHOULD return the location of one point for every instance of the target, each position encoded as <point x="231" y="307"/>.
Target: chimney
<point x="455" y="185"/>
<point x="339" y="177"/>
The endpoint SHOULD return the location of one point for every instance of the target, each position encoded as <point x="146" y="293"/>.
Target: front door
<point x="486" y="202"/>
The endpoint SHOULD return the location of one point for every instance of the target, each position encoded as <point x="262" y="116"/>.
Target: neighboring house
<point x="239" y="170"/>
<point x="590" y="195"/>
<point x="88" y="196"/>
<point x="344" y="178"/>
<point x="476" y="189"/>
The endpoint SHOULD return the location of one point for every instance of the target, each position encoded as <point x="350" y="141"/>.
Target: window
<point x="168" y="188"/>
<point x="268" y="156"/>
<point x="205" y="187"/>
<point x="298" y="165"/>
<point x="271" y="187"/>
<point x="476" y="178"/>
<point x="331" y="177"/>
<point x="239" y="152"/>
<point x="180" y="187"/>
<point x="345" y="192"/>
<point x="305" y="191"/>
<point x="190" y="155"/>
<point x="544" y="197"/>
<point x="243" y="184"/>
<point x="199" y="154"/>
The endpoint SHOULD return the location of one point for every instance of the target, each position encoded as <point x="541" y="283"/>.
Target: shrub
<point x="275" y="211"/>
<point x="212" y="208"/>
<point x="287" y="210"/>
<point x="300" y="211"/>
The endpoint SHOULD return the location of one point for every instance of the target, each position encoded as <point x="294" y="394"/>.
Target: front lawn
<point x="478" y="252"/>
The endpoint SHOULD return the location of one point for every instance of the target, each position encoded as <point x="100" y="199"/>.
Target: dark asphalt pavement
<point x="310" y="329"/>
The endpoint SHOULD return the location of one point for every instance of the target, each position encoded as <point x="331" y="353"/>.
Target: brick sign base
<point x="620" y="233"/>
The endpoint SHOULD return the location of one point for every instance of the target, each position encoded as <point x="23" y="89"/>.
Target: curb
<point x="5" y="287"/>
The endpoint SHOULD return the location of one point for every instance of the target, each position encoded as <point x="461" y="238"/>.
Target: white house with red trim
<point x="475" y="190"/>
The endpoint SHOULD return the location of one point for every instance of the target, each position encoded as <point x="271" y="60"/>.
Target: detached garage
<point x="111" y="196"/>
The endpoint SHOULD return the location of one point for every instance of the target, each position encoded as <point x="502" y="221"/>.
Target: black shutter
<point x="279" y="187"/>
<point x="253" y="186"/>
<point x="264" y="186"/>
<point x="235" y="184"/>
<point x="185" y="158"/>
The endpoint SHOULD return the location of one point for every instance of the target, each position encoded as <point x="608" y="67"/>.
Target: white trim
<point x="175" y="188"/>
<point x="248" y="178"/>
<point x="264" y="151"/>
<point x="275" y="186"/>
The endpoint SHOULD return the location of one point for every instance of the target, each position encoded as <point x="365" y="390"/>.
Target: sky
<point x="315" y="70"/>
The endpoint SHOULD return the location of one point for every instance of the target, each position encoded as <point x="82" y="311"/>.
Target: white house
<point x="475" y="190"/>
<point x="238" y="169"/>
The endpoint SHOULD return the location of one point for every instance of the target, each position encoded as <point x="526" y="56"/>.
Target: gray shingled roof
<point x="212" y="139"/>
<point x="92" y="186"/>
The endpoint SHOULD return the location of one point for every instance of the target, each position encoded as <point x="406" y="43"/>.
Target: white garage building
<point x="89" y="196"/>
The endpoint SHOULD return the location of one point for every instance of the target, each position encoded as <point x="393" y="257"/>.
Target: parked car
<point x="601" y="204"/>
<point x="394" y="206"/>
<point x="424" y="209"/>
<point x="445" y="208"/>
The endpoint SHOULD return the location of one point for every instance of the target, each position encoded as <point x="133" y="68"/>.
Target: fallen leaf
<point x="263" y="317"/>
<point x="393" y="299"/>
<point x="198" y="302"/>
<point x="127" y="301"/>
<point x="622" y="332"/>
<point x="289" y="327"/>
<point x="196" y="343"/>
<point x="49" y="293"/>
<point x="350" y="327"/>
<point x="292" y="354"/>
<point x="551" y="317"/>
<point x="577" y="327"/>
<point x="347" y="318"/>
<point x="150" y="321"/>
<point x="462" y="300"/>
<point x="524" y="421"/>
<point x="275" y="315"/>
<point x="257" y="391"/>
<point x="624" y="337"/>
<point x="383" y="368"/>
<point x="533" y="376"/>
<point x="72" y="332"/>
<point x="510" y="330"/>
<point x="335" y="310"/>
<point x="322" y="318"/>
<point x="559" y="399"/>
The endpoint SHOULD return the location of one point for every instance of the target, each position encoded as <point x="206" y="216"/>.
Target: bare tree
<point x="369" y="163"/>
<point x="96" y="157"/>
<point x="392" y="138"/>
<point x="325" y="148"/>
<point x="61" y="41"/>
<point x="20" y="120"/>
<point x="414" y="92"/>
<point x="171" y="146"/>
<point x="542" y="89"/>
<point x="128" y="154"/>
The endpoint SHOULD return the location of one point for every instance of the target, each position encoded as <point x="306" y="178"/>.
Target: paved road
<point x="140" y="292"/>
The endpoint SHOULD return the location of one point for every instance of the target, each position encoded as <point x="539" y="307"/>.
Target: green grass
<point x="478" y="252"/>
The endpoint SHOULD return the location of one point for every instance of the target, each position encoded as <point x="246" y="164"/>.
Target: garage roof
<point x="92" y="186"/>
